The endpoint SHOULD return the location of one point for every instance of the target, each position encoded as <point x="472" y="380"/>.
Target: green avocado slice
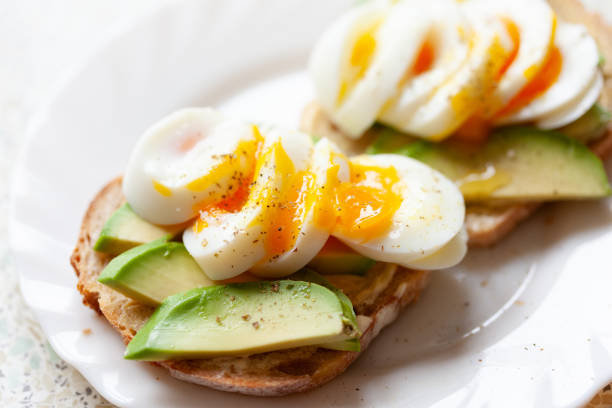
<point x="125" y="230"/>
<point x="151" y="272"/>
<point x="517" y="164"/>
<point x="309" y="275"/>
<point x="242" y="318"/>
<point x="590" y="126"/>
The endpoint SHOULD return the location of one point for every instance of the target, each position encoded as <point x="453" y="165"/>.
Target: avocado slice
<point x="517" y="164"/>
<point x="125" y="229"/>
<point x="337" y="258"/>
<point x="242" y="318"/>
<point x="309" y="275"/>
<point x="151" y="272"/>
<point x="387" y="140"/>
<point x="590" y="126"/>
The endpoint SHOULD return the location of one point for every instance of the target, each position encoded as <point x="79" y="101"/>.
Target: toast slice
<point x="487" y="225"/>
<point x="377" y="298"/>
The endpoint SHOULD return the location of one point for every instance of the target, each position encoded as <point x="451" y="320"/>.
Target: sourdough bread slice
<point x="377" y="298"/>
<point x="487" y="225"/>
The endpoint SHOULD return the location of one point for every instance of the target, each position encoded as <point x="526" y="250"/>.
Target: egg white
<point x="580" y="59"/>
<point x="451" y="31"/>
<point x="311" y="237"/>
<point x="465" y="91"/>
<point x="575" y="110"/>
<point x="233" y="242"/>
<point x="159" y="158"/>
<point x="430" y="216"/>
<point x="535" y="21"/>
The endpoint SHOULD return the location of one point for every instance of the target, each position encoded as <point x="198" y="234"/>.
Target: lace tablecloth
<point x="39" y="39"/>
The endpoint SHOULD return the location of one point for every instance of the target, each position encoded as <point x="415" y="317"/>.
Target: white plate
<point x="525" y="324"/>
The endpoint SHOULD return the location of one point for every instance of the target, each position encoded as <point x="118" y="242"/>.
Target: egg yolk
<point x="288" y="214"/>
<point x="542" y="78"/>
<point x="538" y="85"/>
<point x="161" y="189"/>
<point x="238" y="191"/>
<point x="365" y="206"/>
<point x="471" y="101"/>
<point x="362" y="208"/>
<point x="245" y="152"/>
<point x="285" y="205"/>
<point x="423" y="62"/>
<point x="515" y="37"/>
<point x="359" y="60"/>
<point x="425" y="57"/>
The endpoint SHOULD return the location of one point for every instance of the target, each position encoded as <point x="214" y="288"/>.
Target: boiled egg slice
<point x="304" y="218"/>
<point x="404" y="51"/>
<point x="449" y="255"/>
<point x="576" y="109"/>
<point x="530" y="24"/>
<point x="186" y="160"/>
<point x="396" y="209"/>
<point x="443" y="34"/>
<point x="230" y="236"/>
<point x="343" y="55"/>
<point x="570" y="71"/>
<point x="467" y="91"/>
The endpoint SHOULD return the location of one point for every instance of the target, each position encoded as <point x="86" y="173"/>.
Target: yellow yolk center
<point x="362" y="208"/>
<point x="540" y="78"/>
<point x="425" y="57"/>
<point x="540" y="83"/>
<point x="365" y="206"/>
<point x="246" y="152"/>
<point x="515" y="37"/>
<point x="286" y="207"/>
<point x="359" y="60"/>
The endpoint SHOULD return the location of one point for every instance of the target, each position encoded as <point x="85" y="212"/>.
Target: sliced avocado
<point x="151" y="272"/>
<point x="517" y="164"/>
<point x="308" y="275"/>
<point x="337" y="258"/>
<point x="242" y="318"/>
<point x="387" y="140"/>
<point x="590" y="126"/>
<point x="124" y="230"/>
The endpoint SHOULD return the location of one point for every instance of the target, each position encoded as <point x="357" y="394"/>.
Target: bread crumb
<point x="519" y="303"/>
<point x="87" y="331"/>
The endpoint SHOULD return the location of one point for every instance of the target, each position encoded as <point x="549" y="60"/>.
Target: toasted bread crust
<point x="267" y="374"/>
<point x="486" y="226"/>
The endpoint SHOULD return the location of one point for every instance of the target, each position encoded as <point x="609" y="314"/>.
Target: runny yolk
<point x="359" y="61"/>
<point x="474" y="130"/>
<point x="423" y="62"/>
<point x="239" y="188"/>
<point x="287" y="215"/>
<point x="284" y="202"/>
<point x="325" y="216"/>
<point x="334" y="245"/>
<point x="540" y="83"/>
<point x="365" y="206"/>
<point x="425" y="57"/>
<point x="515" y="37"/>
<point x="246" y="151"/>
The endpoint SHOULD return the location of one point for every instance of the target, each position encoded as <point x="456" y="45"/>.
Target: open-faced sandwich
<point x="510" y="99"/>
<point x="257" y="260"/>
<point x="263" y="261"/>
